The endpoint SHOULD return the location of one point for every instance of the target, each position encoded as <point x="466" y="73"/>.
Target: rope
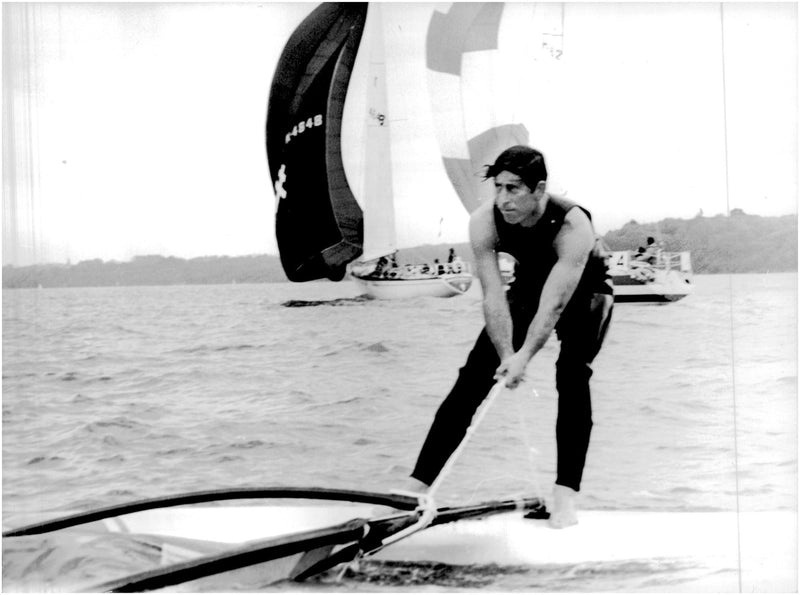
<point x="533" y="483"/>
<point x="531" y="451"/>
<point x="427" y="504"/>
<point x="485" y="406"/>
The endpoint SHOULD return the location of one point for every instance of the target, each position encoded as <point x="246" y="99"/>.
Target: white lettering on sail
<point x="280" y="191"/>
<point x="302" y="126"/>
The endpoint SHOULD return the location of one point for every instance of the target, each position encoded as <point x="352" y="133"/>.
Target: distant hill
<point x="149" y="270"/>
<point x="738" y="243"/>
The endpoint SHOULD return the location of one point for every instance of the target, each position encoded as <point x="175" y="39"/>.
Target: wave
<point x="112" y="459"/>
<point x="44" y="459"/>
<point x="551" y="577"/>
<point x="248" y="444"/>
<point x="351" y="347"/>
<point x="219" y="348"/>
<point x="20" y="375"/>
<point x="230" y="458"/>
<point x="116" y="423"/>
<point x="376" y="348"/>
<point x="349" y="301"/>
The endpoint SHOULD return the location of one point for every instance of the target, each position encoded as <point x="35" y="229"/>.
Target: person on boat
<point x="650" y="253"/>
<point x="561" y="283"/>
<point x="380" y="267"/>
<point x="454" y="263"/>
<point x="438" y="268"/>
<point x="638" y="261"/>
<point x="393" y="270"/>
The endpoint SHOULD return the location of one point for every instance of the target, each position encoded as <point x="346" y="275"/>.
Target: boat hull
<point x="761" y="544"/>
<point x="663" y="282"/>
<point x="165" y="544"/>
<point x="627" y="290"/>
<point x="405" y="288"/>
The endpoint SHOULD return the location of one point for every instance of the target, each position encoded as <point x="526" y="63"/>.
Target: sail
<point x="379" y="213"/>
<point x="480" y="94"/>
<point x="319" y="224"/>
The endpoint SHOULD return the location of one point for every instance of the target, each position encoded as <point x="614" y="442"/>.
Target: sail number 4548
<point x="302" y="126"/>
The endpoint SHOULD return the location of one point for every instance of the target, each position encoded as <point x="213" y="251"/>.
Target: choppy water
<point x="113" y="394"/>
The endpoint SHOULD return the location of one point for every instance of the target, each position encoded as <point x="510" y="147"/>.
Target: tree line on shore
<point x="738" y="243"/>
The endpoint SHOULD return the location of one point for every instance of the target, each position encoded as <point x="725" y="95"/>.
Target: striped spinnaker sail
<point x="487" y="62"/>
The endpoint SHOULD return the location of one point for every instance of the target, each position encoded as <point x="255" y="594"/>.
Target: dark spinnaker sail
<point x="319" y="225"/>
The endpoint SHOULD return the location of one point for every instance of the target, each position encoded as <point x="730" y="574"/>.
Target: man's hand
<point x="512" y="369"/>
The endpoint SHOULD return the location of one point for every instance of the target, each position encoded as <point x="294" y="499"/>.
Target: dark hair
<point x="523" y="161"/>
<point x="651" y="240"/>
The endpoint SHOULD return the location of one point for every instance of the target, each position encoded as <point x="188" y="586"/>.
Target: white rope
<point x="485" y="406"/>
<point x="533" y="453"/>
<point x="427" y="504"/>
<point x="533" y="477"/>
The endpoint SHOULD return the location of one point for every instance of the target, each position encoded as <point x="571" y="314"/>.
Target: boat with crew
<point x="337" y="53"/>
<point x="347" y="100"/>
<point x="385" y="279"/>
<point x="339" y="215"/>
<point x="376" y="272"/>
<point x="665" y="278"/>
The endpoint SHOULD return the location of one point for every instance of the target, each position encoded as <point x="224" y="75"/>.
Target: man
<point x="561" y="283"/>
<point x="650" y="253"/>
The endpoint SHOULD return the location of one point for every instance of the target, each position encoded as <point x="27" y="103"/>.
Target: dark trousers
<point x="581" y="331"/>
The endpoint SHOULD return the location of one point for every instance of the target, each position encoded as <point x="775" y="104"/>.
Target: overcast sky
<point x="139" y="128"/>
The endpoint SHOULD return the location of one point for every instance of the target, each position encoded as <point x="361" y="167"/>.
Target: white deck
<point x="762" y="544"/>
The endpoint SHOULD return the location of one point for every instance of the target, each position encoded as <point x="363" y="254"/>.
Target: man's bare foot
<point x="563" y="513"/>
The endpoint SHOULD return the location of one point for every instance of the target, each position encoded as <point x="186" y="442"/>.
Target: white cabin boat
<point x="667" y="279"/>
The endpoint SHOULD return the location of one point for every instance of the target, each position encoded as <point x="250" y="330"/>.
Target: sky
<point x="134" y="129"/>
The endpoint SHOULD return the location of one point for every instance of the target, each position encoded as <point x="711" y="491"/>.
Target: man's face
<point x="517" y="203"/>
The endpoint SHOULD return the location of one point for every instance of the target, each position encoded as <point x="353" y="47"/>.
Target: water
<point x="114" y="394"/>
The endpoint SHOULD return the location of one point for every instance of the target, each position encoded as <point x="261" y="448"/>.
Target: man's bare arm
<point x="483" y="237"/>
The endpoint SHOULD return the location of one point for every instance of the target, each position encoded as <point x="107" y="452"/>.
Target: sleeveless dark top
<point x="535" y="254"/>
